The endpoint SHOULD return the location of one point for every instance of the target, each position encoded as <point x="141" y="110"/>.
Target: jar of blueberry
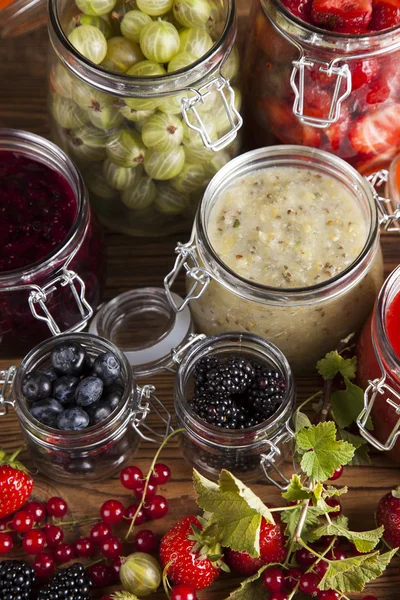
<point x="234" y="396"/>
<point x="51" y="257"/>
<point x="79" y="407"/>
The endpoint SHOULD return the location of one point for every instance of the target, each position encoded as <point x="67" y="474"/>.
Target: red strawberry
<point x="286" y="127"/>
<point x="379" y="92"/>
<point x="376" y="132"/>
<point x="363" y="71"/>
<point x="188" y="564"/>
<point x="337" y="132"/>
<point x="336" y="14"/>
<point x="15" y="484"/>
<point x="272" y="550"/>
<point x="299" y="8"/>
<point x="388" y="515"/>
<point x="384" y="17"/>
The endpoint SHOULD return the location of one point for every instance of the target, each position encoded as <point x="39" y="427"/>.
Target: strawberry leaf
<point x="322" y="453"/>
<point x="296" y="490"/>
<point x="352" y="574"/>
<point x="333" y="364"/>
<point x="347" y="405"/>
<point x="361" y="456"/>
<point x="364" y="541"/>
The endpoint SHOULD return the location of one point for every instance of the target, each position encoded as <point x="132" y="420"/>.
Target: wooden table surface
<point x="137" y="262"/>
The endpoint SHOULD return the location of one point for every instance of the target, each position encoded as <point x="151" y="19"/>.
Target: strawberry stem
<point x="166" y="584"/>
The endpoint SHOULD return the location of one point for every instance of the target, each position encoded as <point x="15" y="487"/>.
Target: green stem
<point x="320" y="556"/>
<point x="324" y="553"/>
<point x="165" y="581"/>
<point x="315" y="395"/>
<point x="147" y="479"/>
<point x="283" y="508"/>
<point x="61" y="524"/>
<point x="294" y="591"/>
<point x="15" y="454"/>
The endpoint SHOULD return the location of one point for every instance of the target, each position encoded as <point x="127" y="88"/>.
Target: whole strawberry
<point x="15" y="484"/>
<point x="272" y="550"/>
<point x="182" y="547"/>
<point x="388" y="515"/>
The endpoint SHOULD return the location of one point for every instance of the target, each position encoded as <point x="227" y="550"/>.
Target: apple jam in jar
<point x="51" y="258"/>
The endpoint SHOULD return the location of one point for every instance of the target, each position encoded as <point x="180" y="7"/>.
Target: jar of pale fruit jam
<point x="51" y="260"/>
<point x="285" y="245"/>
<point x="325" y="81"/>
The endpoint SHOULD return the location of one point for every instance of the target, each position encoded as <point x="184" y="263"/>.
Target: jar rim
<point x="296" y="155"/>
<point x="88" y="435"/>
<point x="123" y="85"/>
<point x="380" y="337"/>
<point x="42" y="150"/>
<point x="239" y="341"/>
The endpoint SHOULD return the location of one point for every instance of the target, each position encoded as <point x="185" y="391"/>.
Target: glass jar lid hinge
<point x="6" y="385"/>
<point x="148" y="402"/>
<point x="375" y="387"/>
<point x="268" y="461"/>
<point x="389" y="215"/>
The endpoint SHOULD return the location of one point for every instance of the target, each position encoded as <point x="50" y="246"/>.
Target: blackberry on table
<point x="16" y="580"/>
<point x="232" y="377"/>
<point x="71" y="583"/>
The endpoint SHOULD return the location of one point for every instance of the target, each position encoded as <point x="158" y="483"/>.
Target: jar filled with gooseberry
<point x="145" y="98"/>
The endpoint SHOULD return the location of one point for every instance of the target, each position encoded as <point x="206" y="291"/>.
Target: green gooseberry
<point x="140" y="195"/>
<point x="164" y="165"/>
<point x="126" y="148"/>
<point x="121" y="55"/>
<point x="90" y="42"/>
<point x="68" y="114"/>
<point x="169" y="201"/>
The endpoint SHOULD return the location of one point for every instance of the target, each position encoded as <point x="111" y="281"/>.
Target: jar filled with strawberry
<point x="326" y="74"/>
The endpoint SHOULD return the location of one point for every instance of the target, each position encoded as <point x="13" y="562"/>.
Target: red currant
<point x="183" y="592"/>
<point x="157" y="508"/>
<point x="100" y="532"/>
<point x="84" y="547"/>
<point x="63" y="553"/>
<point x="115" y="567"/>
<point x="111" y="547"/>
<point x="37" y="511"/>
<point x="6" y="543"/>
<point x="130" y="512"/>
<point x="44" y="565"/>
<point x="328" y="595"/>
<point x="54" y="535"/>
<point x="292" y="576"/>
<point x="34" y="541"/>
<point x="56" y="507"/>
<point x="150" y="492"/>
<point x="100" y="575"/>
<point x="336" y="554"/>
<point x="334" y="502"/>
<point x="320" y="568"/>
<point x="305" y="558"/>
<point x="22" y="521"/>
<point x="130" y="476"/>
<point x="145" y="541"/>
<point x="161" y="474"/>
<point x="278" y="596"/>
<point x="336" y="474"/>
<point x="309" y="583"/>
<point x="273" y="579"/>
<point x="112" y="512"/>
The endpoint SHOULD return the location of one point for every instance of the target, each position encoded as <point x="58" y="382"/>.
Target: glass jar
<point x="97" y="452"/>
<point x="338" y="92"/>
<point x="21" y="16"/>
<point x="61" y="291"/>
<point x="247" y="453"/>
<point x="98" y="117"/>
<point x="304" y="323"/>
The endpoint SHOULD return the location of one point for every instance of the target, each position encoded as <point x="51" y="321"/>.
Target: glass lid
<point x="20" y="16"/>
<point x="142" y="324"/>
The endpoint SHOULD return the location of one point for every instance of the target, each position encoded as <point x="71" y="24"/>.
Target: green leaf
<point x="352" y="574"/>
<point x="236" y="510"/>
<point x="251" y="588"/>
<point x="300" y="421"/>
<point x="333" y="364"/>
<point x="291" y="518"/>
<point x="364" y="541"/>
<point x="361" y="456"/>
<point x="347" y="405"/>
<point x="322" y="453"/>
<point x="296" y="490"/>
<point x="331" y="491"/>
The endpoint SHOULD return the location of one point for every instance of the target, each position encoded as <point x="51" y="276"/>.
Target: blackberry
<point x="16" y="580"/>
<point x="201" y="369"/>
<point x="218" y="411"/>
<point x="232" y="377"/>
<point x="71" y="583"/>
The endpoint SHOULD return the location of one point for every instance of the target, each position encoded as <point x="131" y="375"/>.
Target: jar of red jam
<point x="325" y="80"/>
<point x="51" y="259"/>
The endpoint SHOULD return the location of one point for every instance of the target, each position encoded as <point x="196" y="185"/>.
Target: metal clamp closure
<point x="221" y="85"/>
<point x="268" y="460"/>
<point x="375" y="387"/>
<point x="201" y="277"/>
<point x="297" y="81"/>
<point x="389" y="215"/>
<point x="6" y="382"/>
<point x="178" y="354"/>
<point x="148" y="402"/>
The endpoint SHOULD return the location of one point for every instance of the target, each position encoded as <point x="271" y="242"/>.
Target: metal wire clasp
<point x="375" y="387"/>
<point x="297" y="81"/>
<point x="268" y="460"/>
<point x="227" y="95"/>
<point x="6" y="383"/>
<point x="148" y="402"/>
<point x="389" y="215"/>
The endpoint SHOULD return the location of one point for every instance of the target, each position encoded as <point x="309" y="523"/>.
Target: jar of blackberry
<point x="234" y="396"/>
<point x="81" y="411"/>
<point x="51" y="259"/>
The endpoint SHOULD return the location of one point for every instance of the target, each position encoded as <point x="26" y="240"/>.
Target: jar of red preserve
<point x="51" y="253"/>
<point x="323" y="74"/>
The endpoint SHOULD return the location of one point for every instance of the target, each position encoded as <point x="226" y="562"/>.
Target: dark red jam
<point x="393" y="324"/>
<point x="38" y="209"/>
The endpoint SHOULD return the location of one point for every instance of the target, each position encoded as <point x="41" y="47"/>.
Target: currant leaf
<point x="331" y="491"/>
<point x="361" y="456"/>
<point x="321" y="453"/>
<point x="300" y="421"/>
<point x="333" y="364"/>
<point x="364" y="541"/>
<point x="251" y="588"/>
<point x="347" y="405"/>
<point x="311" y="522"/>
<point x="296" y="490"/>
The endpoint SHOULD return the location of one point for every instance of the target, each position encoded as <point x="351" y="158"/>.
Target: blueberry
<point x="107" y="367"/>
<point x="68" y="358"/>
<point x="88" y="391"/>
<point x="112" y="396"/>
<point x="47" y="411"/>
<point x="36" y="386"/>
<point x="64" y="388"/>
<point x="51" y="374"/>
<point x="73" y="419"/>
<point x="99" y="412"/>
